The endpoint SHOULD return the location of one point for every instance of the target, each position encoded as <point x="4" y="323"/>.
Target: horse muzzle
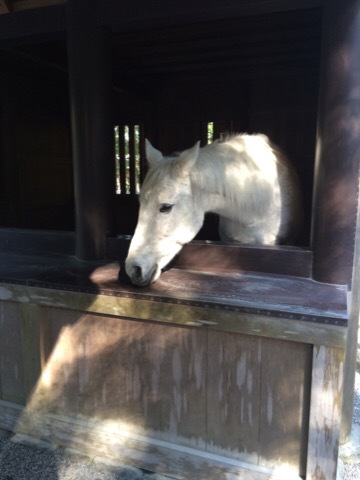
<point x="141" y="276"/>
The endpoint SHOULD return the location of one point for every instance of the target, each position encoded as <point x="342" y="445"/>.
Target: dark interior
<point x="255" y="73"/>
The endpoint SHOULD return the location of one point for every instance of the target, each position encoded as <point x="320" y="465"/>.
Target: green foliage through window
<point x="127" y="158"/>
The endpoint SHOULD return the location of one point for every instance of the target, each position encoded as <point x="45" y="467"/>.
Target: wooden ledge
<point x="259" y="304"/>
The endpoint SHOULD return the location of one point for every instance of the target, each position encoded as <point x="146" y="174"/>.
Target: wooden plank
<point x="127" y="18"/>
<point x="233" y="393"/>
<point x="4" y="6"/>
<point x="150" y="377"/>
<point x="34" y="23"/>
<point x="20" y="5"/>
<point x="200" y="255"/>
<point x="111" y="439"/>
<point x="325" y="412"/>
<point x="32" y="241"/>
<point x="180" y="314"/>
<point x="285" y="397"/>
<point x="11" y="359"/>
<point x="219" y="257"/>
<point x="30" y="340"/>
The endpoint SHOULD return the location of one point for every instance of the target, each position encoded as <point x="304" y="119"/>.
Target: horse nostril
<point x="137" y="272"/>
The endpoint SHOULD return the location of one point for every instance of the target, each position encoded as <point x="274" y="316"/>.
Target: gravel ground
<point x="19" y="460"/>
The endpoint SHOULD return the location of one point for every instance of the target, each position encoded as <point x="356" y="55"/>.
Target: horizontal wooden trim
<point x="32" y="23"/>
<point x="126" y="17"/>
<point x="109" y="439"/>
<point x="35" y="241"/>
<point x="216" y="256"/>
<point x="279" y="260"/>
<point x="197" y="255"/>
<point x="179" y="313"/>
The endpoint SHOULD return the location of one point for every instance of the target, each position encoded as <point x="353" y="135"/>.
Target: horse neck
<point x="208" y="188"/>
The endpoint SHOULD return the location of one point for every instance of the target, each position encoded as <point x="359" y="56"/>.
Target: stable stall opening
<point x="256" y="74"/>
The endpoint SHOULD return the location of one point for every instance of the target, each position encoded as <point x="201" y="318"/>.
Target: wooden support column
<point x="325" y="412"/>
<point x="92" y="129"/>
<point x="338" y="145"/>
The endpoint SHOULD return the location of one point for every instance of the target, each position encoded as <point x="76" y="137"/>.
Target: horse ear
<point x="187" y="160"/>
<point x="153" y="156"/>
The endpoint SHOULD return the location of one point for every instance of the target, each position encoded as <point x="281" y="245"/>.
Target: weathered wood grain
<point x="285" y="397"/>
<point x="180" y="314"/>
<point x="233" y="407"/>
<point x="325" y="413"/>
<point x="30" y="339"/>
<point x="101" y="438"/>
<point x="150" y="377"/>
<point x="12" y="386"/>
<point x="170" y="387"/>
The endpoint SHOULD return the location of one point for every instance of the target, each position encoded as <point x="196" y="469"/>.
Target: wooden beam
<point x="19" y="5"/>
<point x="97" y="438"/>
<point x="201" y="316"/>
<point x="325" y="412"/>
<point x="33" y="23"/>
<point x="125" y="16"/>
<point x="4" y="7"/>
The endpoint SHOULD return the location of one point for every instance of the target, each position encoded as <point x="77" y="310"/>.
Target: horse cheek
<point x="188" y="229"/>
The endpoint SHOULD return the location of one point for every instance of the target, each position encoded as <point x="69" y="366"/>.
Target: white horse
<point x="245" y="179"/>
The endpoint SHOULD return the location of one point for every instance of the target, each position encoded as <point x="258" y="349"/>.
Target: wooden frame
<point x="305" y="340"/>
<point x="56" y="326"/>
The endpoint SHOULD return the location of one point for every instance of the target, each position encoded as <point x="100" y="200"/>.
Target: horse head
<point x="169" y="215"/>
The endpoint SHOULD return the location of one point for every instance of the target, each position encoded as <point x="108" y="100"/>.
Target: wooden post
<point x="92" y="129"/>
<point x="338" y="146"/>
<point x="351" y="348"/>
<point x="325" y="412"/>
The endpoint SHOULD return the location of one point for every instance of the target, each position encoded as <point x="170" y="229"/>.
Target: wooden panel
<point x="19" y="5"/>
<point x="11" y="360"/>
<point x="233" y="395"/>
<point x="219" y="257"/>
<point x="180" y="312"/>
<point x="30" y="336"/>
<point x="285" y="397"/>
<point x="4" y="6"/>
<point x="258" y="396"/>
<point x="325" y="413"/>
<point x="100" y="439"/>
<point x="148" y="377"/>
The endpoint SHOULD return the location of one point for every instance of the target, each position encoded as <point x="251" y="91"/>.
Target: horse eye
<point x="165" y="208"/>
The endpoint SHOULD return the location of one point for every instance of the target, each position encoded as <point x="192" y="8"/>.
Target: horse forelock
<point x="157" y="175"/>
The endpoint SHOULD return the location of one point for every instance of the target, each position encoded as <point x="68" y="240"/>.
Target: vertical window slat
<point x="210" y="132"/>
<point x="122" y="159"/>
<point x="132" y="181"/>
<point x="137" y="158"/>
<point x="117" y="160"/>
<point x="129" y="158"/>
<point x="142" y="159"/>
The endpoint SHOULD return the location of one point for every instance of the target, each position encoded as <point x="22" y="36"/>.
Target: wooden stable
<point x="234" y="374"/>
<point x="239" y="362"/>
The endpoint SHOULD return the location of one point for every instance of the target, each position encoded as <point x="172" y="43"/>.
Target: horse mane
<point x="238" y="167"/>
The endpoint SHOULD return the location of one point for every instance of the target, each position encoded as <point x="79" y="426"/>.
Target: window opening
<point x="210" y="132"/>
<point x="128" y="170"/>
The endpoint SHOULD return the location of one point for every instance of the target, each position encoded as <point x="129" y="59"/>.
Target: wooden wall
<point x="232" y="395"/>
<point x="257" y="75"/>
<point x="35" y="148"/>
